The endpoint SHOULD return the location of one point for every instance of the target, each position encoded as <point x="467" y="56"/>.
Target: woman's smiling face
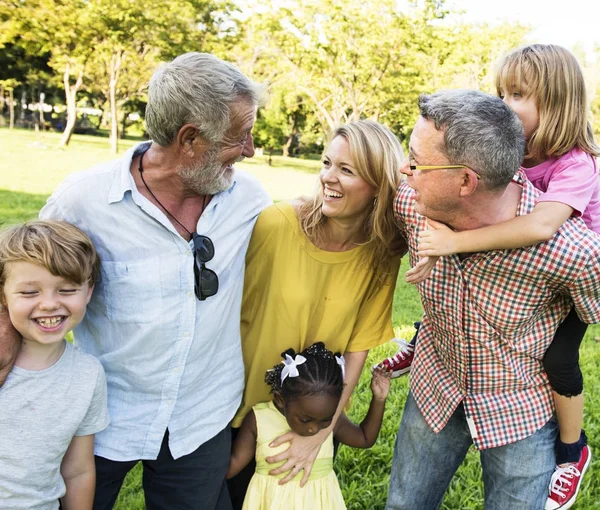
<point x="346" y="195"/>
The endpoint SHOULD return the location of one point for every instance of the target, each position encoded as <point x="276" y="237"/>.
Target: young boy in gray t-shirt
<point x="54" y="399"/>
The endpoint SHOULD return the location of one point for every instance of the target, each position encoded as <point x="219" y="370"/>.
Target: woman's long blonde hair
<point x="377" y="155"/>
<point x="552" y="75"/>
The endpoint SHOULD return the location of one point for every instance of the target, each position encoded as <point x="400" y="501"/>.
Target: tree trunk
<point x="287" y="145"/>
<point x="115" y="66"/>
<point x="11" y="108"/>
<point x="123" y="126"/>
<point x="290" y="143"/>
<point x="42" y="120"/>
<point x="101" y="117"/>
<point x="71" y="97"/>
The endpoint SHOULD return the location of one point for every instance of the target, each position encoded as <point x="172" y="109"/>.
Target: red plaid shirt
<point x="489" y="319"/>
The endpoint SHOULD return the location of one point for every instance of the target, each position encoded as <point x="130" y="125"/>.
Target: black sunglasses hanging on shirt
<point x="206" y="281"/>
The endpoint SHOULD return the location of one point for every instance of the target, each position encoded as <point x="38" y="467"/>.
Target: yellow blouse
<point x="296" y="294"/>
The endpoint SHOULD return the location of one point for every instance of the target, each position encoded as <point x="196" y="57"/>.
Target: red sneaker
<point x="400" y="362"/>
<point x="566" y="482"/>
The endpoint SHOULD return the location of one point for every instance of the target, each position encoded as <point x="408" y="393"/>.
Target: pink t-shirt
<point x="571" y="179"/>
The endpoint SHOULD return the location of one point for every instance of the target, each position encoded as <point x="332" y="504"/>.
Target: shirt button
<point x="190" y="293"/>
<point x="186" y="334"/>
<point x="176" y="370"/>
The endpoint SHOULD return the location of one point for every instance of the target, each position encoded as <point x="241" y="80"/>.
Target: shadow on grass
<point x="17" y="206"/>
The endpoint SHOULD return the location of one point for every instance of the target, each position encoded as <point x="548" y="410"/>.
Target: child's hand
<point x="421" y="271"/>
<point x="380" y="384"/>
<point x="437" y="241"/>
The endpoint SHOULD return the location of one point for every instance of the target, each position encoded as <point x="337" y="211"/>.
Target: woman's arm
<point x="365" y="434"/>
<point x="526" y="230"/>
<point x="304" y="450"/>
<point x="79" y="473"/>
<point x="244" y="446"/>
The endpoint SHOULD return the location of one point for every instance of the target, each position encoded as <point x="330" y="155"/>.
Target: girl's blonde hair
<point x="552" y="75"/>
<point x="377" y="155"/>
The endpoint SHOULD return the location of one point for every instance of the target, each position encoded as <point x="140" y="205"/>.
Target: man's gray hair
<point x="199" y="89"/>
<point x="480" y="132"/>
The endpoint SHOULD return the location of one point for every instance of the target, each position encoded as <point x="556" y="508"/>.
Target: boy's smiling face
<point x="43" y="307"/>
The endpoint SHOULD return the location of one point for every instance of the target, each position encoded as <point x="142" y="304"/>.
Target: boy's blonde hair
<point x="552" y="75"/>
<point x="62" y="248"/>
<point x="377" y="156"/>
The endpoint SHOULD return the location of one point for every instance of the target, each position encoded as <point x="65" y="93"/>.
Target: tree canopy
<point x="325" y="61"/>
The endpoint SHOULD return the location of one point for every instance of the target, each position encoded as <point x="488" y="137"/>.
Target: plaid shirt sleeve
<point x="585" y="289"/>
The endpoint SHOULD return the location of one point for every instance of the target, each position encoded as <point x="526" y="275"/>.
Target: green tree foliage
<point x="348" y="60"/>
<point x="280" y="126"/>
<point x="63" y="29"/>
<point x="325" y="62"/>
<point x="9" y="85"/>
<point x="138" y="36"/>
<point x="111" y="47"/>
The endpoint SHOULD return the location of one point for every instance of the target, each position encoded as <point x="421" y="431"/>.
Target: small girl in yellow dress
<point x="306" y="390"/>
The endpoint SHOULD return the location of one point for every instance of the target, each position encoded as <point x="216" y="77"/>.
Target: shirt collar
<point x="528" y="195"/>
<point x="124" y="182"/>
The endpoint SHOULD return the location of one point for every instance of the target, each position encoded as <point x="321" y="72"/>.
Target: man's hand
<point x="438" y="240"/>
<point x="10" y="344"/>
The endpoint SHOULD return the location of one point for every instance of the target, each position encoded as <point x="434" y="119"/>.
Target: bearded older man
<point x="171" y="221"/>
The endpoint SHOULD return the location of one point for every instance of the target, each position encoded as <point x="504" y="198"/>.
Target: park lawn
<point x="31" y="166"/>
<point x="33" y="163"/>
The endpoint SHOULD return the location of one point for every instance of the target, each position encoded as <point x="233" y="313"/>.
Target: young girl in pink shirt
<point x="545" y="87"/>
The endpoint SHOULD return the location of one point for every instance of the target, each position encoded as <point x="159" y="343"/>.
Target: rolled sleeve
<point x="585" y="291"/>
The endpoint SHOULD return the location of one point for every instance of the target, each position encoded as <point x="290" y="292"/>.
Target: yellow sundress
<point x="321" y="492"/>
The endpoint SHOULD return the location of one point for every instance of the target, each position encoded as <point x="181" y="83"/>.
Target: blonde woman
<point x="323" y="269"/>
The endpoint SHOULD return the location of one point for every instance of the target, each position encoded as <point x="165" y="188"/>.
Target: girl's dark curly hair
<point x="320" y="373"/>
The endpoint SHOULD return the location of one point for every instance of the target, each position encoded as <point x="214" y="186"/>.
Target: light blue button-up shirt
<point x="171" y="361"/>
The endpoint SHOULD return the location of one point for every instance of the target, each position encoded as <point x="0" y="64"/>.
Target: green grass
<point x="33" y="163"/>
<point x="31" y="166"/>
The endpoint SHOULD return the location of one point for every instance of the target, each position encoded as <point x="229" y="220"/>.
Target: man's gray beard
<point x="206" y="177"/>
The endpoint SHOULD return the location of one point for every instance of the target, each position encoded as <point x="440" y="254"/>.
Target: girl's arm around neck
<point x="526" y="230"/>
<point x="244" y="446"/>
<point x="79" y="473"/>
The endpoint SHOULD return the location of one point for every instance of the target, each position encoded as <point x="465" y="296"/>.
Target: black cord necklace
<point x="141" y="170"/>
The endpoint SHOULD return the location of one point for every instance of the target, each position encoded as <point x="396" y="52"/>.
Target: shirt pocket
<point x="132" y="290"/>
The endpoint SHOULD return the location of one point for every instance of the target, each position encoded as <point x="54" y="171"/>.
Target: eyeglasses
<point x="206" y="281"/>
<point x="419" y="168"/>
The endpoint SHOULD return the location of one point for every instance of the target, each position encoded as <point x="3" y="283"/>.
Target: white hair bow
<point x="342" y="363"/>
<point x="291" y="366"/>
